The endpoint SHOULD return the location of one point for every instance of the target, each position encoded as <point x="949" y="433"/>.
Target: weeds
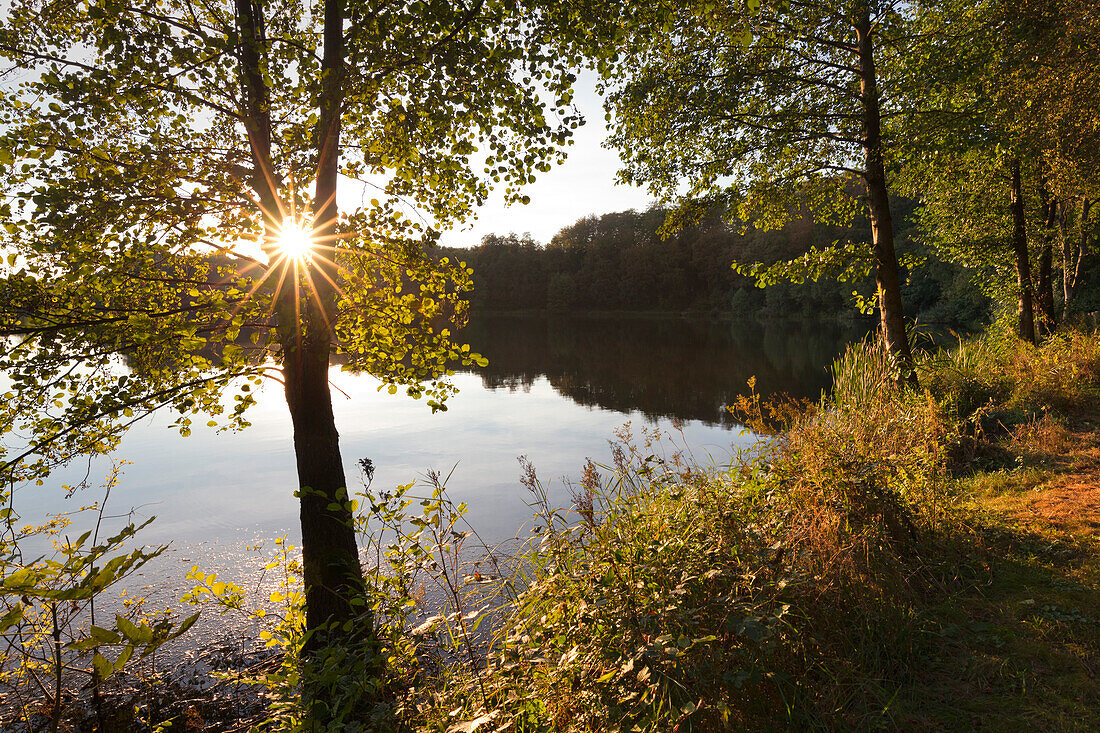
<point x="57" y="654"/>
<point x="841" y="578"/>
<point x="1018" y="379"/>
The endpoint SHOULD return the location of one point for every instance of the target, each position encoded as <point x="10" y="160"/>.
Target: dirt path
<point x="1071" y="504"/>
<point x="1068" y="499"/>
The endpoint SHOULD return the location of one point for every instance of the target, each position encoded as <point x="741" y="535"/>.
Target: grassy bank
<point x="920" y="561"/>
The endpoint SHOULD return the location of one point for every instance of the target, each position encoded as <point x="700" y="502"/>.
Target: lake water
<point x="555" y="390"/>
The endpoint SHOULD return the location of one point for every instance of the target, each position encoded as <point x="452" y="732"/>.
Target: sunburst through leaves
<point x="296" y="240"/>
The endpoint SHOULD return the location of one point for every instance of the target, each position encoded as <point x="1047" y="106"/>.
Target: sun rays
<point x="296" y="239"/>
<point x="301" y="264"/>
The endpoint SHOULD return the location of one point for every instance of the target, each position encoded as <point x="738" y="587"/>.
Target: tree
<point x="1012" y="103"/>
<point x="1054" y="48"/>
<point x="764" y="109"/>
<point x="161" y="157"/>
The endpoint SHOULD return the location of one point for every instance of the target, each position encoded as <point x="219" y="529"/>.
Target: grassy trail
<point x="1020" y="650"/>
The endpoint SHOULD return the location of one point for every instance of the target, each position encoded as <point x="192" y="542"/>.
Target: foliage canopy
<point x="133" y="200"/>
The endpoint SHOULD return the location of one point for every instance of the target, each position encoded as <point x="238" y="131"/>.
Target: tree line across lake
<point x="624" y="261"/>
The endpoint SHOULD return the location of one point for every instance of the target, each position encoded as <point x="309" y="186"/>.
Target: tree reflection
<point x="661" y="367"/>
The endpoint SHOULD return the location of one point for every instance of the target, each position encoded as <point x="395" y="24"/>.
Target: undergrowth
<point x="851" y="573"/>
<point x="815" y="585"/>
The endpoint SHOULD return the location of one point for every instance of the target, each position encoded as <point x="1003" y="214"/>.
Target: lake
<point x="556" y="389"/>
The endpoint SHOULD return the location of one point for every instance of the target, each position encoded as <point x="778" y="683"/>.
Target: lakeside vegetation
<point x="912" y="552"/>
<point x="885" y="559"/>
<point x="880" y="564"/>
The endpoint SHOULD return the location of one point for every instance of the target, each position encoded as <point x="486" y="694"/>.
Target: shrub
<point x="57" y="654"/>
<point x="996" y="371"/>
<point x="663" y="607"/>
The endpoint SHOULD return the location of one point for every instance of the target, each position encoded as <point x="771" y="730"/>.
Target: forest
<point x="213" y="209"/>
<point x="623" y="262"/>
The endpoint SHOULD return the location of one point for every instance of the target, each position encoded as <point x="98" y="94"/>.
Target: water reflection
<point x="661" y="367"/>
<point x="556" y="390"/>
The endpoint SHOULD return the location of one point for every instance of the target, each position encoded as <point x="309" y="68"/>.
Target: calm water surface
<point x="555" y="390"/>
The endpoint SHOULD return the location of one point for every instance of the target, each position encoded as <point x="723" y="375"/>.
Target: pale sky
<point x="583" y="185"/>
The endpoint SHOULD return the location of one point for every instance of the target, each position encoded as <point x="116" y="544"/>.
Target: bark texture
<point x="891" y="312"/>
<point x="330" y="556"/>
<point x="1073" y="253"/>
<point x="1044" y="285"/>
<point x="1025" y="328"/>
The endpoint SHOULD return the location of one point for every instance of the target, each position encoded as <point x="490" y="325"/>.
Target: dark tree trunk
<point x="257" y="115"/>
<point x="1073" y="252"/>
<point x="330" y="557"/>
<point x="305" y="305"/>
<point x="1045" y="290"/>
<point x="1025" y="312"/>
<point x="1044" y="287"/>
<point x="891" y="313"/>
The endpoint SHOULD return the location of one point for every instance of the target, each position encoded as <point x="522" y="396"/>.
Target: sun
<point x="296" y="239"/>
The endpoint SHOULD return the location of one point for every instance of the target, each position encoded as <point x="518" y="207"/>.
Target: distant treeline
<point x="620" y="262"/>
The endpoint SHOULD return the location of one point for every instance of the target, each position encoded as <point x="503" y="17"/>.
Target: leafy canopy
<point x="135" y="274"/>
<point x="755" y="109"/>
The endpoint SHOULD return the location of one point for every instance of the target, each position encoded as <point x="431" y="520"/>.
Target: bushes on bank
<point x="786" y="589"/>
<point x="994" y="371"/>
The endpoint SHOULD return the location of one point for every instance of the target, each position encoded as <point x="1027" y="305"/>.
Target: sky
<point x="581" y="186"/>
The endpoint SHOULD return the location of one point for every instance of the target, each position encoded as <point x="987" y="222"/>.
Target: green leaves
<point x="133" y="215"/>
<point x="45" y="602"/>
<point x="845" y="261"/>
<point x="11" y="617"/>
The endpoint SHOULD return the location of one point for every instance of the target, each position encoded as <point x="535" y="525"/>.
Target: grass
<point x="892" y="561"/>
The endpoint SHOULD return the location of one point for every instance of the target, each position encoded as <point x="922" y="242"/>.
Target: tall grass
<point x="997" y="372"/>
<point x="868" y="471"/>
<point x="786" y="590"/>
<point x="730" y="597"/>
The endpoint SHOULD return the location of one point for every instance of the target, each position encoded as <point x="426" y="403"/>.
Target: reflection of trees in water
<point x="662" y="367"/>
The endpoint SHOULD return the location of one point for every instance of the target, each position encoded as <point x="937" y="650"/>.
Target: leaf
<point x="134" y="634"/>
<point x="12" y="617"/>
<point x="102" y="667"/>
<point x="103" y="636"/>
<point x="186" y="624"/>
<point x="124" y="657"/>
<point x="20" y="578"/>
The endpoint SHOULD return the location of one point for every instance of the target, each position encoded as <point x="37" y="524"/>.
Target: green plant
<point x="996" y="372"/>
<point x="384" y="680"/>
<point x="55" y="644"/>
<point x="657" y="603"/>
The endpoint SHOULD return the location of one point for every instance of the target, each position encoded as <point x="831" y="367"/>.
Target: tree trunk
<point x="305" y="306"/>
<point x="257" y="115"/>
<point x="330" y="557"/>
<point x="1025" y="312"/>
<point x="1044" y="287"/>
<point x="891" y="313"/>
<point x="1045" y="290"/>
<point x="1072" y="255"/>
